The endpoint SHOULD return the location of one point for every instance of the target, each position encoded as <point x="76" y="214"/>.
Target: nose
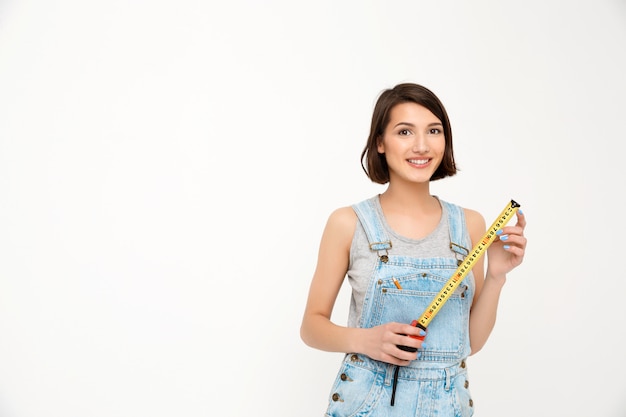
<point x="420" y="144"/>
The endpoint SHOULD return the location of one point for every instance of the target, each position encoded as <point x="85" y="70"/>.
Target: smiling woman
<point x="166" y="174"/>
<point x="414" y="135"/>
<point x="398" y="249"/>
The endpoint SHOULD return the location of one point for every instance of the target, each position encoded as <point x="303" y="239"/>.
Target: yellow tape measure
<point x="467" y="264"/>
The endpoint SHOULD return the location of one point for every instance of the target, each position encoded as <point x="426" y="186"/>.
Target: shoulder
<point x="339" y="230"/>
<point x="342" y="219"/>
<point x="347" y="217"/>
<point x="475" y="223"/>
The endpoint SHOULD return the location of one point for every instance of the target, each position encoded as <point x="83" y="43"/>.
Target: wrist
<point x="498" y="279"/>
<point x="354" y="339"/>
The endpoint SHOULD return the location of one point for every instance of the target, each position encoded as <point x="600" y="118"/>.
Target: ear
<point x="380" y="146"/>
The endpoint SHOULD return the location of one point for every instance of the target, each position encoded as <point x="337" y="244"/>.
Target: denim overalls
<point x="436" y="383"/>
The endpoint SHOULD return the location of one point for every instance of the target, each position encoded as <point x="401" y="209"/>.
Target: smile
<point x="419" y="161"/>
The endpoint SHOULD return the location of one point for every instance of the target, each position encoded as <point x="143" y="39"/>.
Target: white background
<point x="167" y="168"/>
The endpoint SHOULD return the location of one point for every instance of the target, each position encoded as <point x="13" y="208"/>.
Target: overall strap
<point x="374" y="230"/>
<point x="458" y="231"/>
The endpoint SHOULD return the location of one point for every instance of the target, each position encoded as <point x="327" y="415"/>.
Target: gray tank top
<point x="363" y="260"/>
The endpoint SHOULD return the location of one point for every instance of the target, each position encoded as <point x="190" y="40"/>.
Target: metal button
<point x="380" y="281"/>
<point x="354" y="358"/>
<point x="423" y="274"/>
<point x="471" y="402"/>
<point x="466" y="383"/>
<point x="343" y="377"/>
<point x="462" y="364"/>
<point x="384" y="289"/>
<point x="464" y="291"/>
<point x="336" y="397"/>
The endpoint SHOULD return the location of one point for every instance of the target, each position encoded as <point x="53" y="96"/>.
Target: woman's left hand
<point x="507" y="251"/>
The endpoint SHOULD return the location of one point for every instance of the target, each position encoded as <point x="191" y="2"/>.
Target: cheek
<point x="440" y="146"/>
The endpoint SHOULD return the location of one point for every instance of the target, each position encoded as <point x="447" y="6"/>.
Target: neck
<point x="408" y="195"/>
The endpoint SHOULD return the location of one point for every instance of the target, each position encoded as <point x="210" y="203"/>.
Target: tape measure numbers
<point x="461" y="272"/>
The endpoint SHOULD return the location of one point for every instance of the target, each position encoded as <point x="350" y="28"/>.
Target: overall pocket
<point x="463" y="400"/>
<point x="355" y="389"/>
<point x="447" y="332"/>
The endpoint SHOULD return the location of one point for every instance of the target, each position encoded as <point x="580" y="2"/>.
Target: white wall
<point x="166" y="169"/>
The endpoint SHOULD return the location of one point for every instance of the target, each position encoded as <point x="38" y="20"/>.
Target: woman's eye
<point x="404" y="132"/>
<point x="435" y="131"/>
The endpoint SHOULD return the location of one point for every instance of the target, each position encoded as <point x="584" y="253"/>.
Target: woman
<point x="398" y="249"/>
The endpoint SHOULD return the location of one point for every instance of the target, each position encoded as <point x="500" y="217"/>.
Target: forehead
<point x="411" y="113"/>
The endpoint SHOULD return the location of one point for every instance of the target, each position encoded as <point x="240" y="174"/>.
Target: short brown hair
<point x="377" y="169"/>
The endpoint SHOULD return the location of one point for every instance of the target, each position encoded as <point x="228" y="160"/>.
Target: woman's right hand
<point x="381" y="342"/>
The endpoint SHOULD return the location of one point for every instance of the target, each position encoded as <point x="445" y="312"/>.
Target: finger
<point x="404" y="355"/>
<point x="390" y="358"/>
<point x="406" y="349"/>
<point x="408" y="343"/>
<point x="521" y="219"/>
<point x="415" y="331"/>
<point x="514" y="250"/>
<point x="397" y="361"/>
<point x="514" y="239"/>
<point x="508" y="231"/>
<point x="517" y="229"/>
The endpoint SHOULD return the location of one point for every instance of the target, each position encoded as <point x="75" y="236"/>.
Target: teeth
<point x="418" y="161"/>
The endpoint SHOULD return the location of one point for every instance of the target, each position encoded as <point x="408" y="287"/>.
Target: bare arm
<point x="500" y="261"/>
<point x="318" y="331"/>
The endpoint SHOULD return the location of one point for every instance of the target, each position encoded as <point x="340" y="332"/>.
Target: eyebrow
<point x="412" y="125"/>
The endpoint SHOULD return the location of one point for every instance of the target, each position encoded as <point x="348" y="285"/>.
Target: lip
<point x="419" y="162"/>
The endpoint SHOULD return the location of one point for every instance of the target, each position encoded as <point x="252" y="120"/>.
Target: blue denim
<point x="363" y="388"/>
<point x="436" y="383"/>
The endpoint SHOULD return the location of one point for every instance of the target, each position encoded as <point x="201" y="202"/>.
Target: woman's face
<point x="413" y="143"/>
